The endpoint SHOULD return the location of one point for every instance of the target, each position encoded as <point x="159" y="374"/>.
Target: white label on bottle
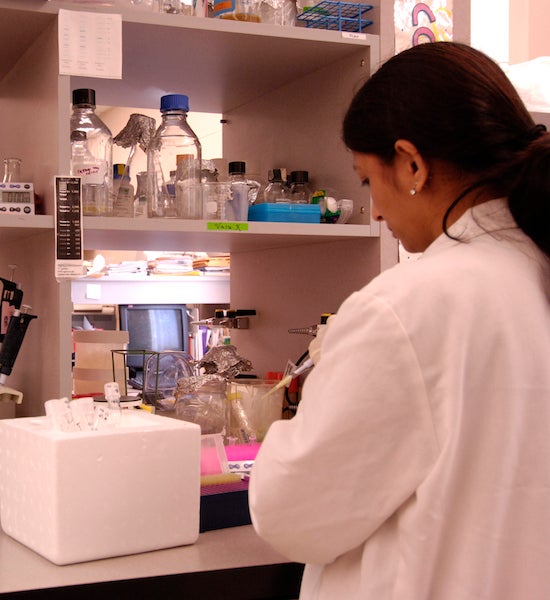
<point x="91" y="174"/>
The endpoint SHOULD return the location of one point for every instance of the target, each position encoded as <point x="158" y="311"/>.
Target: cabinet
<point x="282" y="92"/>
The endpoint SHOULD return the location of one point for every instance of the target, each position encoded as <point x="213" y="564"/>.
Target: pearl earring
<point x="412" y="191"/>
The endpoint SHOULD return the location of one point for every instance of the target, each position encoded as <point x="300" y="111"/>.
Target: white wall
<point x="490" y="23"/>
<point x="511" y="31"/>
<point x="207" y="126"/>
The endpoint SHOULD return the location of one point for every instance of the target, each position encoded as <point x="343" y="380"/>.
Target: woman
<point x="418" y="464"/>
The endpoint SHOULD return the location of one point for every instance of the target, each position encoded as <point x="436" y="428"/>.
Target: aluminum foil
<point x="224" y="361"/>
<point x="190" y="385"/>
<point x="140" y="129"/>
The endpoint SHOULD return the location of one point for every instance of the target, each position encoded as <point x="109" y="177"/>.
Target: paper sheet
<point x="90" y="44"/>
<point x="420" y="22"/>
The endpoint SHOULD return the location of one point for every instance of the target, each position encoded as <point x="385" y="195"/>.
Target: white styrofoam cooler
<point x="74" y="497"/>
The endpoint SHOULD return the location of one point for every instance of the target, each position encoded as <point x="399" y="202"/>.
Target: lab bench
<point x="232" y="563"/>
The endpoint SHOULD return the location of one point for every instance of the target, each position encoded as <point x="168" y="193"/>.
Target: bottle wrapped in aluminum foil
<point x="201" y="399"/>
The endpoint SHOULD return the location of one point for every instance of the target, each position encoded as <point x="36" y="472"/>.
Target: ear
<point x="413" y="164"/>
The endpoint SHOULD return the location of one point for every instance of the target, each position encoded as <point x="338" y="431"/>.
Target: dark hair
<point x="457" y="105"/>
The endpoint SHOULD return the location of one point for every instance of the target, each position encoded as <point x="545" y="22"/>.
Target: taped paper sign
<point x="421" y="22"/>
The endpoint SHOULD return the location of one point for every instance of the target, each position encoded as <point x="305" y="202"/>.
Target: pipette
<point x="288" y="378"/>
<point x="13" y="338"/>
<point x="12" y="296"/>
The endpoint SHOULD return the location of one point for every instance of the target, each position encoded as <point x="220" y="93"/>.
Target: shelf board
<point x="246" y="60"/>
<point x="117" y="233"/>
<point x="18" y="227"/>
<point x="112" y="233"/>
<point x="148" y="289"/>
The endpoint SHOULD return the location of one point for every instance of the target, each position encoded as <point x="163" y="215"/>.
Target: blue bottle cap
<point x="174" y="102"/>
<point x="118" y="170"/>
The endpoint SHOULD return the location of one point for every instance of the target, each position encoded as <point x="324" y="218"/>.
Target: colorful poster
<point x="421" y="22"/>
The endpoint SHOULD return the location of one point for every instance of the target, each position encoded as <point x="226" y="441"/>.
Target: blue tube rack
<point x="339" y="16"/>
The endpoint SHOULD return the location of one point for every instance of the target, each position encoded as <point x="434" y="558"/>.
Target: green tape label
<point x="226" y="226"/>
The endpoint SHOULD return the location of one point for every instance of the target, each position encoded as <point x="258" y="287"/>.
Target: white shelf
<point x="152" y="289"/>
<point x="245" y="60"/>
<point x="18" y="227"/>
<point x="117" y="233"/>
<point x="113" y="233"/>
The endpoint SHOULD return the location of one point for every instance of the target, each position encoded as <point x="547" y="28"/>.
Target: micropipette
<point x="288" y="378"/>
<point x="13" y="338"/>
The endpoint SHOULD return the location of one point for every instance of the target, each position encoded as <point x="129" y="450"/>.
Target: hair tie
<point x="535" y="132"/>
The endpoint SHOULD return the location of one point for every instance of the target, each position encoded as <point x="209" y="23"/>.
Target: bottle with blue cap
<point x="177" y="148"/>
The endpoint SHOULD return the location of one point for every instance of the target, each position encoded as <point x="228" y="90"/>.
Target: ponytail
<point x="529" y="196"/>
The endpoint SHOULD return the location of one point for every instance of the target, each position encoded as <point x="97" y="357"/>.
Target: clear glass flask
<point x="140" y="199"/>
<point x="12" y="170"/>
<point x="123" y="192"/>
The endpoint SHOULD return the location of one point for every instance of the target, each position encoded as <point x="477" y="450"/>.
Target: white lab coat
<point x="418" y="464"/>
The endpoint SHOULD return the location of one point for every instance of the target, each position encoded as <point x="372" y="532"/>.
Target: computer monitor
<point x="155" y="327"/>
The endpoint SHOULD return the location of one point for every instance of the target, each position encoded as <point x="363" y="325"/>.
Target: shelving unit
<point x="282" y="92"/>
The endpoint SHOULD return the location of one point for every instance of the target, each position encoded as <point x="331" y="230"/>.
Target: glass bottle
<point x="299" y="187"/>
<point x="244" y="192"/>
<point x="177" y="7"/>
<point x="90" y="170"/>
<point x="99" y="143"/>
<point x="276" y="190"/>
<point x="237" y="10"/>
<point x="137" y="135"/>
<point x="140" y="199"/>
<point x="144" y="4"/>
<point x="174" y="138"/>
<point x="12" y="170"/>
<point x="123" y="192"/>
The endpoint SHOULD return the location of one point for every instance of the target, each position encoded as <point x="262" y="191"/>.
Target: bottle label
<point x="91" y="174"/>
<point x="223" y="6"/>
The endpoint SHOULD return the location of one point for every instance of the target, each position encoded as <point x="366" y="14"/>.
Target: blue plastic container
<point x="285" y="212"/>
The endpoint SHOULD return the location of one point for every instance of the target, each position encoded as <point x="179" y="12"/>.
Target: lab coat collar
<point x="492" y="217"/>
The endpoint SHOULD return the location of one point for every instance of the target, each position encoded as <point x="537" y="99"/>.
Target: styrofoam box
<point x="81" y="496"/>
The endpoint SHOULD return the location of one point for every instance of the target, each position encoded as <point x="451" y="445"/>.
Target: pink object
<point x="213" y="464"/>
<point x="210" y="461"/>
<point x="237" y="452"/>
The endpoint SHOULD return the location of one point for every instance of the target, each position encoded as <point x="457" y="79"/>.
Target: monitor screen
<point x="156" y="327"/>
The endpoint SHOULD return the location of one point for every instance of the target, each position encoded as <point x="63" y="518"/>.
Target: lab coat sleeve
<point x="360" y="444"/>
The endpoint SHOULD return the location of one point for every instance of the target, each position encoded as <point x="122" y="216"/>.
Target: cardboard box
<point x="81" y="496"/>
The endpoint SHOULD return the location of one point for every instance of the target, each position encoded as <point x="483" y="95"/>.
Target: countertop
<point x="224" y="563"/>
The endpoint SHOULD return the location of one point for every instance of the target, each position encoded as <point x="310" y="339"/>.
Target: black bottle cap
<point x="219" y="313"/>
<point x="299" y="176"/>
<point x="237" y="167"/>
<point x="84" y="96"/>
<point x="275" y="175"/>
